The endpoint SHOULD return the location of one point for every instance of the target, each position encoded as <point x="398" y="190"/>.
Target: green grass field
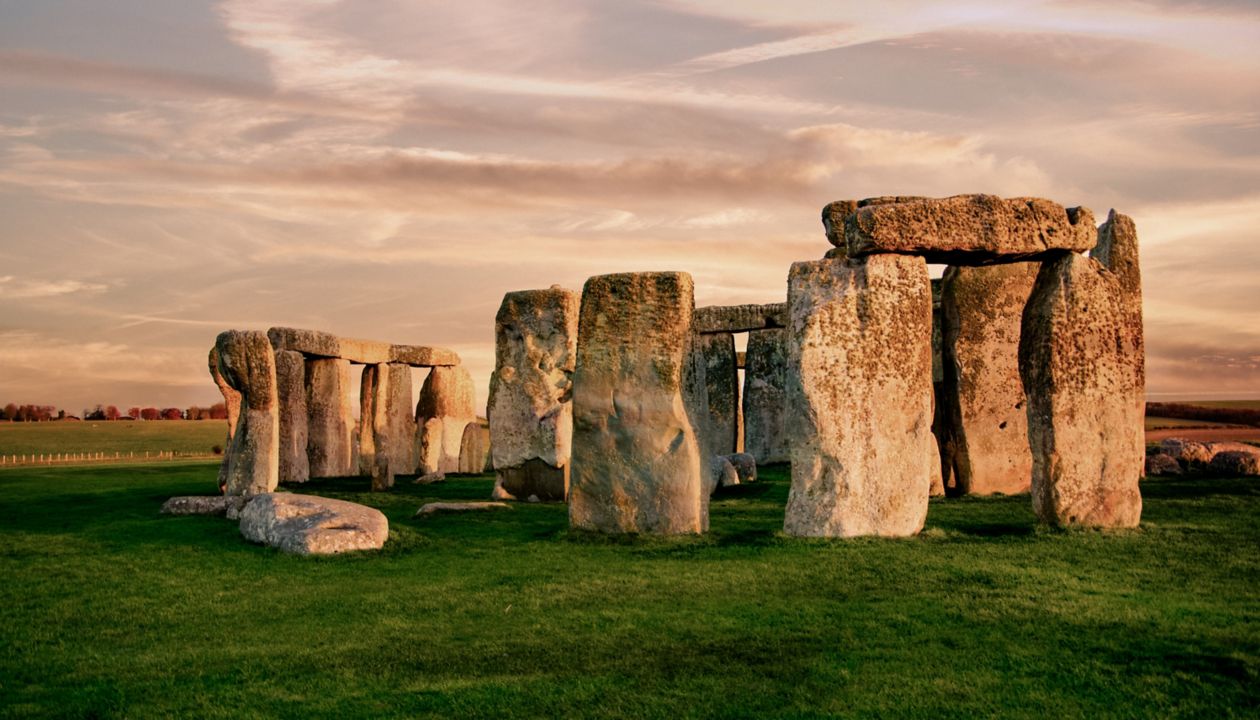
<point x="111" y="610"/>
<point x="181" y="436"/>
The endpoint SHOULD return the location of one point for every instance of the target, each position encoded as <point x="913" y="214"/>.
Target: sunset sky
<point x="388" y="169"/>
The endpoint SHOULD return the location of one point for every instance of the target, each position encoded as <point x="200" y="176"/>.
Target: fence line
<point x="100" y="457"/>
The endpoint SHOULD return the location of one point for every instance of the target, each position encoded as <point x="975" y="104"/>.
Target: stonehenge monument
<point x="297" y="421"/>
<point x="231" y="402"/>
<point x="636" y="464"/>
<point x="1020" y="370"/>
<point x="530" y="408"/>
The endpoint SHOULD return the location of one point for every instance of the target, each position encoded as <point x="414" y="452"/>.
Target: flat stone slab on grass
<point x="203" y="504"/>
<point x="312" y="525"/>
<point x="434" y="508"/>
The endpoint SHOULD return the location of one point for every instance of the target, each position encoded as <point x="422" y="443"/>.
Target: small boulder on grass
<point x="203" y="504"/>
<point x="312" y="525"/>
<point x="1189" y="453"/>
<point x="1236" y="463"/>
<point x="745" y="466"/>
<point x="1162" y="464"/>
<point x="439" y="507"/>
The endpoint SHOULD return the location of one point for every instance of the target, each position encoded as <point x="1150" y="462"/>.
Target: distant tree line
<point x="43" y="413"/>
<point x="1234" y="416"/>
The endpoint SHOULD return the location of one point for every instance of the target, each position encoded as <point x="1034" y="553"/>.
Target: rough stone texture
<point x="944" y="477"/>
<point x="636" y="459"/>
<point x="312" y="525"/>
<point x="765" y="397"/>
<point x="386" y="429"/>
<point x="721" y="474"/>
<point x="984" y="406"/>
<point x="1117" y="250"/>
<point x="291" y="393"/>
<point x="231" y="401"/>
<point x="860" y="397"/>
<point x="367" y="352"/>
<point x="1162" y="464"/>
<point x="434" y="508"/>
<point x="474" y="448"/>
<point x="530" y="408"/>
<point x="330" y="435"/>
<point x="1192" y="454"/>
<point x="1221" y="446"/>
<point x="429" y="479"/>
<point x="833" y="216"/>
<point x="1236" y="462"/>
<point x="745" y="466"/>
<point x="1081" y="366"/>
<point x="248" y="364"/>
<point x="740" y="318"/>
<point x="203" y="504"/>
<point x="449" y="398"/>
<point x="721" y="377"/>
<point x="969" y="229"/>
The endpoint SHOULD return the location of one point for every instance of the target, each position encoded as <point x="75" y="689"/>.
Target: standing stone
<point x="722" y="386"/>
<point x="1081" y="365"/>
<point x="944" y="478"/>
<point x="231" y="402"/>
<point x="248" y="364"/>
<point x="765" y="397"/>
<point x="984" y="404"/>
<point x="474" y="448"/>
<point x="449" y="397"/>
<point x="291" y="392"/>
<point x="386" y="428"/>
<point x="1117" y="250"/>
<point x="530" y="409"/>
<point x="636" y="458"/>
<point x="330" y="418"/>
<point x="860" y="397"/>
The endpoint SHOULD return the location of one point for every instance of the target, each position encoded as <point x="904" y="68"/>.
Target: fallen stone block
<point x="444" y="507"/>
<point x="203" y="504"/>
<point x="312" y="525"/>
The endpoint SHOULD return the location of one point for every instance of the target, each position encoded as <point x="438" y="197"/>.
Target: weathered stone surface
<point x="739" y="318"/>
<point x="1081" y="367"/>
<point x="387" y="430"/>
<point x="1236" y="462"/>
<point x="1190" y="453"/>
<point x="721" y="474"/>
<point x="312" y="525"/>
<point x="434" y="508"/>
<point x="765" y="397"/>
<point x="1162" y="464"/>
<point x="330" y="432"/>
<point x="291" y="393"/>
<point x="982" y="311"/>
<point x="1117" y="250"/>
<point x="530" y="408"/>
<point x="636" y="459"/>
<point x="367" y="352"/>
<point x="449" y="397"/>
<point x="860" y="397"/>
<point x="722" y="388"/>
<point x="231" y="402"/>
<point x="429" y="479"/>
<point x="969" y="229"/>
<point x="474" y="448"/>
<point x="248" y="364"/>
<point x="203" y="504"/>
<point x="745" y="466"/>
<point x="945" y="476"/>
<point x="833" y="215"/>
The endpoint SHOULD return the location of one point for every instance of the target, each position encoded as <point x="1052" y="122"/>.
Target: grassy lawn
<point x="110" y="610"/>
<point x="121" y="436"/>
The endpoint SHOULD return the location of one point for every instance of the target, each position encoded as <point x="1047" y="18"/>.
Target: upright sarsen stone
<point x="447" y="403"/>
<point x="530" y="409"/>
<point x="330" y="418"/>
<point x="636" y="459"/>
<point x="387" y="430"/>
<point x="248" y="364"/>
<point x="291" y="392"/>
<point x="1081" y="365"/>
<point x="860" y="397"/>
<point x="983" y="399"/>
<point x="765" y="400"/>
<point x="231" y="403"/>
<point x="721" y="375"/>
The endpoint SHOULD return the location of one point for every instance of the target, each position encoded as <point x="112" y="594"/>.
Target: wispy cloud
<point x="22" y="289"/>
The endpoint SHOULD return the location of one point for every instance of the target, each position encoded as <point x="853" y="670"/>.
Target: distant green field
<point x="1233" y="404"/>
<point x="109" y="609"/>
<point x="158" y="436"/>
